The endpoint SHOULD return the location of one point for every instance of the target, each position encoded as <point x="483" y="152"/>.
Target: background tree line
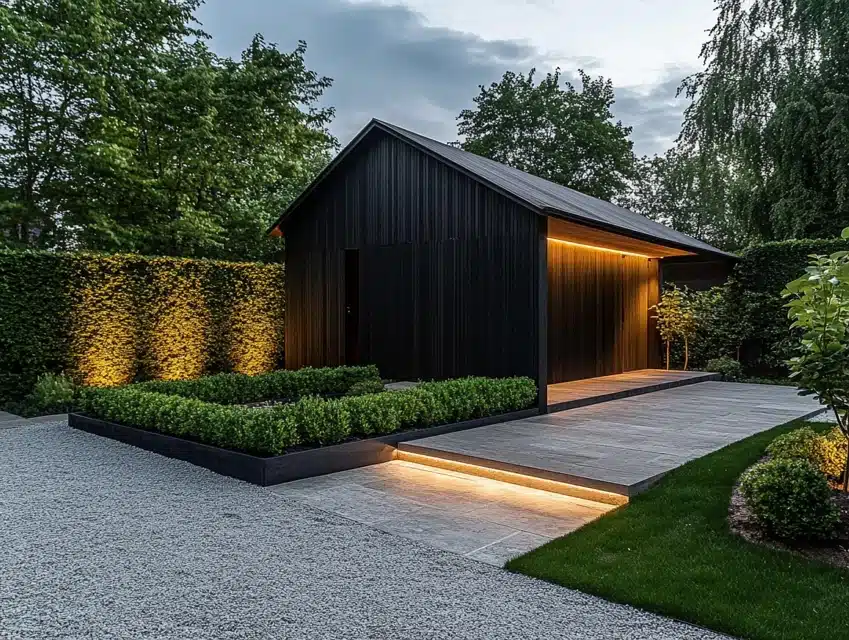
<point x="763" y="153"/>
<point x="122" y="131"/>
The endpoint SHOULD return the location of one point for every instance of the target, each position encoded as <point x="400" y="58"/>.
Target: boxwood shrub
<point x="827" y="452"/>
<point x="310" y="421"/>
<point x="236" y="388"/>
<point x="791" y="499"/>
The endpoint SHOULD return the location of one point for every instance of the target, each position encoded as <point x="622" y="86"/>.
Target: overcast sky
<point x="417" y="63"/>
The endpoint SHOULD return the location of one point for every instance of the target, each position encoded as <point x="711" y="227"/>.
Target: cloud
<point x="654" y="111"/>
<point x="387" y="62"/>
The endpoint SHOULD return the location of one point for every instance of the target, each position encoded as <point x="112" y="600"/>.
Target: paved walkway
<point x="476" y="517"/>
<point x="623" y="446"/>
<point x="10" y="420"/>
<point x="580" y="393"/>
<point x="103" y="540"/>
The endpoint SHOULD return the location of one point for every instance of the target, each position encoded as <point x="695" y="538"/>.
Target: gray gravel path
<point x="102" y="540"/>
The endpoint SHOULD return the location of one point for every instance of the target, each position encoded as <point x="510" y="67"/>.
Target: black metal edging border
<point x="630" y="393"/>
<point x="277" y="469"/>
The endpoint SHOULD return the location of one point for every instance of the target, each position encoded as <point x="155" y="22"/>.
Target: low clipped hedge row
<point x="310" y="421"/>
<point x="236" y="388"/>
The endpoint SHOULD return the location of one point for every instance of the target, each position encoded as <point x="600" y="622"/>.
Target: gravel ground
<point x="102" y="540"/>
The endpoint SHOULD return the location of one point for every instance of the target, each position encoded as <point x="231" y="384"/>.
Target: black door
<point x="352" y="306"/>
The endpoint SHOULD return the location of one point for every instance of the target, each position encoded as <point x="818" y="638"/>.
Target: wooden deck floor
<point x="580" y="393"/>
<point x="616" y="448"/>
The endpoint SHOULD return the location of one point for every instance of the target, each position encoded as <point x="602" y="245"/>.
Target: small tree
<point x="675" y="319"/>
<point x="819" y="306"/>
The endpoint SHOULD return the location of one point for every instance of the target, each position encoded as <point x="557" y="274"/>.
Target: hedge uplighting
<point x="110" y="320"/>
<point x="180" y="325"/>
<point x="104" y="329"/>
<point x="256" y="330"/>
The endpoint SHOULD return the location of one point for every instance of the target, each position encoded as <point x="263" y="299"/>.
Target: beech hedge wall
<point x="108" y="320"/>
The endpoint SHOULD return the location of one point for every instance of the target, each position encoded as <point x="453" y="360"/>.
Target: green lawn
<point x="670" y="551"/>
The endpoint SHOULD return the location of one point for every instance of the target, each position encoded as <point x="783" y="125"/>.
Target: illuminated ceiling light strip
<point x="591" y="246"/>
<point x="511" y="477"/>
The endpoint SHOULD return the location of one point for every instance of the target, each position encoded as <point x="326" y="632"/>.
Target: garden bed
<point x="266" y="471"/>
<point x="206" y="422"/>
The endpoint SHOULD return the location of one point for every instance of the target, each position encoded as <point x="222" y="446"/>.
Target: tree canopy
<point x="691" y="194"/>
<point x="552" y="130"/>
<point x="774" y="101"/>
<point x="120" y="130"/>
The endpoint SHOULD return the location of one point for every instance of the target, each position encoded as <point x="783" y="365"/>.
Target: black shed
<point x="432" y="262"/>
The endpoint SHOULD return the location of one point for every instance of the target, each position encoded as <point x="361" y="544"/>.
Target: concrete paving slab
<point x="589" y="391"/>
<point x="624" y="445"/>
<point x="487" y="520"/>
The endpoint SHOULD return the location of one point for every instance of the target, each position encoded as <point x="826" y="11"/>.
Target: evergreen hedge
<point x="310" y="421"/>
<point x="754" y="291"/>
<point x="237" y="388"/>
<point x="112" y="319"/>
<point x="746" y="318"/>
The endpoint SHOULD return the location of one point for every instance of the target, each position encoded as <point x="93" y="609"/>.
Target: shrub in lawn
<point x="826" y="452"/>
<point x="730" y="368"/>
<point x="236" y="388"/>
<point x="791" y="499"/>
<point x="365" y="387"/>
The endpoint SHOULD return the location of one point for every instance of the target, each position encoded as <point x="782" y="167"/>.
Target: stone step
<point x="524" y="476"/>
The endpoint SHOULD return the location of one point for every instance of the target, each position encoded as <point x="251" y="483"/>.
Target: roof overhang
<point x="564" y="226"/>
<point x="562" y="230"/>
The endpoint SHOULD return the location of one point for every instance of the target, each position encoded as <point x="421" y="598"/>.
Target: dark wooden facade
<point x="447" y="270"/>
<point x="401" y="257"/>
<point x="599" y="312"/>
<point x="696" y="272"/>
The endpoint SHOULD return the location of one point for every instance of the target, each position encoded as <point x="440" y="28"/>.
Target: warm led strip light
<point x="590" y="246"/>
<point x="511" y="477"/>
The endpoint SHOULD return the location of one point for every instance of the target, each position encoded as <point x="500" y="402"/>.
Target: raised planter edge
<point x="277" y="469"/>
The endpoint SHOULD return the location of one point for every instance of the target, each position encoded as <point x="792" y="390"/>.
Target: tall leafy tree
<point x="62" y="63"/>
<point x="697" y="197"/>
<point x="120" y="130"/>
<point x="774" y="97"/>
<point x="552" y="130"/>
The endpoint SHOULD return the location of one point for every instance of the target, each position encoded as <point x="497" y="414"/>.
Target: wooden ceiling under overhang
<point x="579" y="234"/>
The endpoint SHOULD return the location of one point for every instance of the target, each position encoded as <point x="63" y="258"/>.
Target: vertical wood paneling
<point x="598" y="317"/>
<point x="448" y="273"/>
<point x="655" y="361"/>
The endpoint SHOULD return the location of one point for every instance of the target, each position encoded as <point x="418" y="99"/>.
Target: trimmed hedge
<point x="236" y="388"/>
<point x="754" y="291"/>
<point x="311" y="421"/>
<point x="746" y="318"/>
<point x="112" y="319"/>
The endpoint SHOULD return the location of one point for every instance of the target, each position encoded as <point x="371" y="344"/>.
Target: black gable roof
<point x="538" y="194"/>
